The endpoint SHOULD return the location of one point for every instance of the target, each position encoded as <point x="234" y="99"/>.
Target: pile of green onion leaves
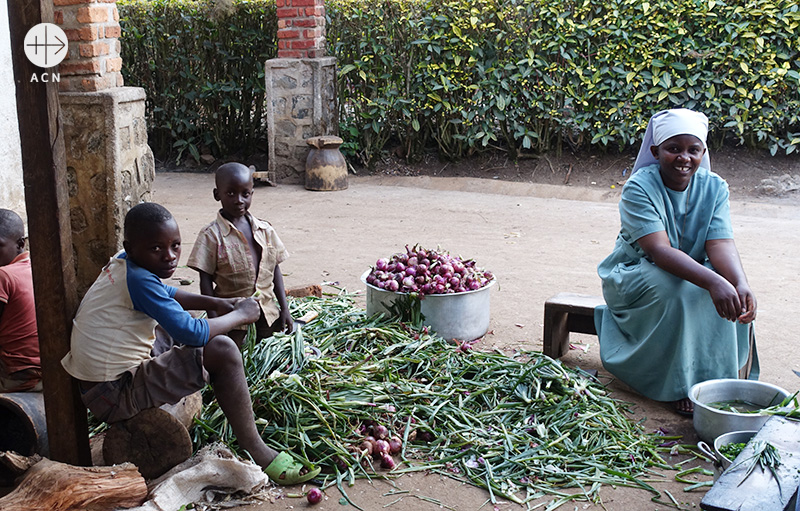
<point x="521" y="427"/>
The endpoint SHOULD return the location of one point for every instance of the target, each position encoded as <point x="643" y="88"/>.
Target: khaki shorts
<point x="166" y="378"/>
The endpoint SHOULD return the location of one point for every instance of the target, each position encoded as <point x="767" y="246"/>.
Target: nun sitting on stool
<point x="679" y="309"/>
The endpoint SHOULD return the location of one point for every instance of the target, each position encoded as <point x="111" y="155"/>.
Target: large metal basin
<point x="709" y="423"/>
<point x="459" y="316"/>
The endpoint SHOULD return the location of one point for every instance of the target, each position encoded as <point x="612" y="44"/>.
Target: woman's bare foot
<point x="684" y="406"/>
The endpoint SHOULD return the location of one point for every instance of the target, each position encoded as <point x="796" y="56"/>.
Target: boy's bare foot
<point x="684" y="406"/>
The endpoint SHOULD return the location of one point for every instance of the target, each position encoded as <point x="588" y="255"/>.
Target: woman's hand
<point x="726" y="299"/>
<point x="748" y="301"/>
<point x="725" y="259"/>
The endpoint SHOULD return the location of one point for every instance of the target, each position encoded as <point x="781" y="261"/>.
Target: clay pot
<point x="326" y="168"/>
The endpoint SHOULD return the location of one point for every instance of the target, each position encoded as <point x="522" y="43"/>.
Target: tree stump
<point x="52" y="486"/>
<point x="153" y="440"/>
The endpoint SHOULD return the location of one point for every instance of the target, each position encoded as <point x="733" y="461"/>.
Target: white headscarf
<point x="667" y="124"/>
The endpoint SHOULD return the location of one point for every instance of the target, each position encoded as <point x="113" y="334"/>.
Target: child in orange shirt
<point x="20" y="367"/>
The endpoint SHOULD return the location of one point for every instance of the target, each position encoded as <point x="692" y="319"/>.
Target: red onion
<point x="314" y="496"/>
<point x="381" y="431"/>
<point x="382" y="446"/>
<point x="425" y="436"/>
<point x="367" y="446"/>
<point x="427" y="272"/>
<point x="387" y="461"/>
<point x="395" y="445"/>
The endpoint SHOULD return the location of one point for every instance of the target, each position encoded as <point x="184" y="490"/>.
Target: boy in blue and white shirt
<point x="113" y="336"/>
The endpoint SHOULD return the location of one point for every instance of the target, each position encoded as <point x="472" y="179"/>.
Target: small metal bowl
<point x="734" y="437"/>
<point x="719" y="460"/>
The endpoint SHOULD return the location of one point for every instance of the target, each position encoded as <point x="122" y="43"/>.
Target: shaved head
<point x="227" y="171"/>
<point x="11" y="225"/>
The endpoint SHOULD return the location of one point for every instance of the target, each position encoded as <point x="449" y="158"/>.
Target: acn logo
<point x="45" y="45"/>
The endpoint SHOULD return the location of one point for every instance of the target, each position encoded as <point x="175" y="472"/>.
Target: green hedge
<point x="202" y="66"/>
<point x="539" y="75"/>
<point x="470" y="75"/>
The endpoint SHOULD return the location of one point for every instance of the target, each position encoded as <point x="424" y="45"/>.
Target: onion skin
<point x="314" y="496"/>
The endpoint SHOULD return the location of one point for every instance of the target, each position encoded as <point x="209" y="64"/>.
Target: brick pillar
<point x="301" y="29"/>
<point x="301" y="88"/>
<point x="93" y="62"/>
<point x="110" y="167"/>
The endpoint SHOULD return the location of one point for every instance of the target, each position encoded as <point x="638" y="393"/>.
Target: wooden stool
<point x="565" y="313"/>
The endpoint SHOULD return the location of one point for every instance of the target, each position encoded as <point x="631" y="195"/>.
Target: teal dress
<point x="658" y="333"/>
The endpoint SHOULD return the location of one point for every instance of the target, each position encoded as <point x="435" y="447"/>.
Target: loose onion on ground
<point x="427" y="272"/>
<point x="314" y="496"/>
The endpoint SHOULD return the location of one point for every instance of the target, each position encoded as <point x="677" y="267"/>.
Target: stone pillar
<point x="110" y="167"/>
<point x="301" y="88"/>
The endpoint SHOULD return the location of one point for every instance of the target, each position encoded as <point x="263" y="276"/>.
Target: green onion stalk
<point x="522" y="427"/>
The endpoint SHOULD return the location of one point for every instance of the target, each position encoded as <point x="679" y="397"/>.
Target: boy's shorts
<point x="27" y="380"/>
<point x="166" y="378"/>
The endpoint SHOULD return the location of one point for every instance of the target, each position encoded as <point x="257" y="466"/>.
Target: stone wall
<point x="110" y="169"/>
<point x="301" y="103"/>
<point x="12" y="192"/>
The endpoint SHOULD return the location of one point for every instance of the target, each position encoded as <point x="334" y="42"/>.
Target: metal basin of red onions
<point x="455" y="292"/>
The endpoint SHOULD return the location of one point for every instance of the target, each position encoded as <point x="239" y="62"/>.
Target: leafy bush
<point x="202" y="66"/>
<point x="463" y="76"/>
<point x="536" y="75"/>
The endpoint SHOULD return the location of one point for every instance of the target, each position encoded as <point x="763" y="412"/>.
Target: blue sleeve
<point x="151" y="296"/>
<point x="638" y="213"/>
<point x="720" y="226"/>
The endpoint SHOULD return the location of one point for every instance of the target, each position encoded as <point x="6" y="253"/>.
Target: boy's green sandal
<point x="285" y="471"/>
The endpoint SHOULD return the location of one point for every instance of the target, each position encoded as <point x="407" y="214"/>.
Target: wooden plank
<point x="44" y="175"/>
<point x="760" y="491"/>
<point x="574" y="302"/>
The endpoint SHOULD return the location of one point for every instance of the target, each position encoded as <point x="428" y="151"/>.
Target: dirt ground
<point x="540" y="237"/>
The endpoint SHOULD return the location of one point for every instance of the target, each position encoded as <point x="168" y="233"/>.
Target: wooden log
<point x="53" y="486"/>
<point x="303" y="291"/>
<point x="153" y="440"/>
<point x="187" y="409"/>
<point x="17" y="463"/>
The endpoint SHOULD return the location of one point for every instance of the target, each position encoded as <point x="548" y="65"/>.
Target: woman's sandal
<point x="284" y="470"/>
<point x="681" y="405"/>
